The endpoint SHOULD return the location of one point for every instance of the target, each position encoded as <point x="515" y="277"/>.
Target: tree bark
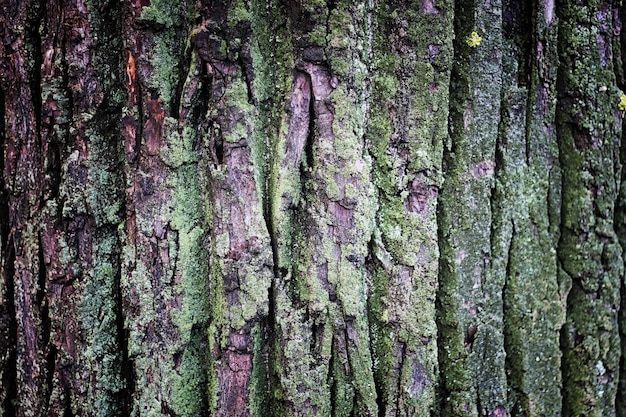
<point x="312" y="208"/>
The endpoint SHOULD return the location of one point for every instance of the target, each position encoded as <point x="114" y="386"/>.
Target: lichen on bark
<point x="324" y="364"/>
<point x="410" y="65"/>
<point x="471" y="335"/>
<point x="280" y="208"/>
<point x="589" y="127"/>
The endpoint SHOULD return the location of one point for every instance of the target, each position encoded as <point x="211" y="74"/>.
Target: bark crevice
<point x="8" y="326"/>
<point x="33" y="44"/>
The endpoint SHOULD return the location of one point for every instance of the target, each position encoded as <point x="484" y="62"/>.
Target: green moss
<point x="317" y="36"/>
<point x="588" y="163"/>
<point x="97" y="312"/>
<point x="342" y="33"/>
<point x="100" y="198"/>
<point x="140" y="280"/>
<point x="189" y="389"/>
<point x="382" y="345"/>
<point x="179" y="210"/>
<point x="161" y="12"/>
<point x="273" y="61"/>
<point x="216" y="336"/>
<point x="179" y="149"/>
<point x="303" y="377"/>
<point x="165" y="58"/>
<point x="303" y="304"/>
<point x="241" y="128"/>
<point x="239" y="13"/>
<point x="470" y="286"/>
<point x="168" y="48"/>
<point x="343" y="393"/>
<point x="405" y="239"/>
<point x="185" y="219"/>
<point x="259" y="399"/>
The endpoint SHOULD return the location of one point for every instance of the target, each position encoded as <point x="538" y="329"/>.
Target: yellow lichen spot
<point x="473" y="40"/>
<point x="622" y="102"/>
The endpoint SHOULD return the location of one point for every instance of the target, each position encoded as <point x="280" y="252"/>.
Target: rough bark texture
<point x="312" y="208"/>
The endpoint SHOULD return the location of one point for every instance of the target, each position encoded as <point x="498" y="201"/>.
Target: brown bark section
<point x="24" y="181"/>
<point x="60" y="103"/>
<point x="240" y="252"/>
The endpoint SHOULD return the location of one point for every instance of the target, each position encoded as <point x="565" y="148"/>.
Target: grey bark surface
<point x="312" y="208"/>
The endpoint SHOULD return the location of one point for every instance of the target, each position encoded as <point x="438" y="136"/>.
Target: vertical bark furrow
<point x="60" y="251"/>
<point x="242" y="252"/>
<point x="406" y="129"/>
<point x="36" y="10"/>
<point x="589" y="129"/>
<point x="524" y="249"/>
<point x="273" y="67"/>
<point x="470" y="295"/>
<point x="99" y="309"/>
<point x="165" y="262"/>
<point x="9" y="397"/>
<point x="321" y="176"/>
<point x="24" y="181"/>
<point x="8" y="331"/>
<point x="453" y="336"/>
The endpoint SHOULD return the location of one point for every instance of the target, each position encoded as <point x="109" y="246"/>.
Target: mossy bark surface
<point x="312" y="208"/>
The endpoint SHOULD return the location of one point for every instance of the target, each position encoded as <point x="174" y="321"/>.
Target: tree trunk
<point x="312" y="208"/>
